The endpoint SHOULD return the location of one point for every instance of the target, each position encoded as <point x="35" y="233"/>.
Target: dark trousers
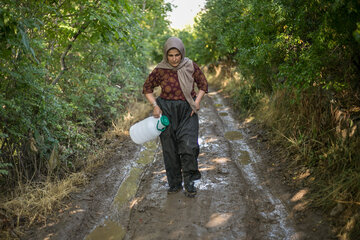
<point x="180" y="142"/>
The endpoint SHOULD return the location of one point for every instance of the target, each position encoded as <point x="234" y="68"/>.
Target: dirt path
<point x="239" y="195"/>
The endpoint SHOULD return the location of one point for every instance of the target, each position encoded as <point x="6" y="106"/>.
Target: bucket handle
<point x="157" y="126"/>
<point x="160" y="129"/>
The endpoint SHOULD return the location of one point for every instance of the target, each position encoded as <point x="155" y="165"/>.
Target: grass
<point x="137" y="111"/>
<point x="308" y="128"/>
<point x="34" y="202"/>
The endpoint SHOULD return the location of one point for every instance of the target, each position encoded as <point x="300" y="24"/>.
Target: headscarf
<point x="185" y="69"/>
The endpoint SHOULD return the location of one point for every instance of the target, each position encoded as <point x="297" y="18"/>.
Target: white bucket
<point x="148" y="129"/>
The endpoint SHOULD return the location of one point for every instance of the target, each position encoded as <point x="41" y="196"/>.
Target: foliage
<point x="3" y="167"/>
<point x="297" y="43"/>
<point x="68" y="69"/>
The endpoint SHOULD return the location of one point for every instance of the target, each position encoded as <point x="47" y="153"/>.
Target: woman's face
<point x="174" y="57"/>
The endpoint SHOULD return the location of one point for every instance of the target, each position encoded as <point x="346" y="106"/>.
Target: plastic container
<point x="148" y="129"/>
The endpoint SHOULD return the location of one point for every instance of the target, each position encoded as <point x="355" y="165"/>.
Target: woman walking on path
<point x="176" y="76"/>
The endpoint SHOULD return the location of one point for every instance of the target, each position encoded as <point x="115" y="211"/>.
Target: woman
<point x="176" y="75"/>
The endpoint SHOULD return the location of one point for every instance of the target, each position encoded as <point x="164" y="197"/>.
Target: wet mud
<point x="239" y="196"/>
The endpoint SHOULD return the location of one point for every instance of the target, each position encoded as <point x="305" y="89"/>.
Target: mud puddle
<point x="113" y="226"/>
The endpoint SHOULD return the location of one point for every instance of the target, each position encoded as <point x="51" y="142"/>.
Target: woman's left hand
<point x="197" y="101"/>
<point x="197" y="105"/>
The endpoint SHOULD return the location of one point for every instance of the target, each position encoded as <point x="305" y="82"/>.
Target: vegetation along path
<point x="71" y="72"/>
<point x="239" y="197"/>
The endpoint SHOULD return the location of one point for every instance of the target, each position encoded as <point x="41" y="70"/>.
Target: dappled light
<point x="160" y="172"/>
<point x="218" y="219"/>
<point x="254" y="137"/>
<point x="304" y="174"/>
<point x="202" y="154"/>
<point x="77" y="211"/>
<point x="300" y="195"/>
<point x="301" y="206"/>
<point x="164" y="179"/>
<point x="249" y="119"/>
<point x="206" y="168"/>
<point x="135" y="201"/>
<point x="221" y="160"/>
<point x="211" y="140"/>
<point x="212" y="94"/>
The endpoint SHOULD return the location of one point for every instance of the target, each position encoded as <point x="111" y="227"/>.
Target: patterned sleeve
<point x="200" y="78"/>
<point x="151" y="82"/>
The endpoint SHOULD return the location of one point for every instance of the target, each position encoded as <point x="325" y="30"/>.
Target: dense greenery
<point x="67" y="69"/>
<point x="299" y="65"/>
<point x="300" y="43"/>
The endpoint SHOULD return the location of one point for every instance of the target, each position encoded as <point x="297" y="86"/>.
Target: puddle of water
<point x="128" y="188"/>
<point x="223" y="114"/>
<point x="127" y="191"/>
<point x="233" y="135"/>
<point x="147" y="155"/>
<point x="244" y="158"/>
<point x="151" y="145"/>
<point x="110" y="230"/>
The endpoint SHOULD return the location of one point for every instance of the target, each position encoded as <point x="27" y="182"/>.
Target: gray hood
<point x="174" y="42"/>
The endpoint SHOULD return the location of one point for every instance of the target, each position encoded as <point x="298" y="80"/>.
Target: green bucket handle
<point x="160" y="129"/>
<point x="165" y="122"/>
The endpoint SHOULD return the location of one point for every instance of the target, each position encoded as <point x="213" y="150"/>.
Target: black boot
<point x="190" y="189"/>
<point x="175" y="189"/>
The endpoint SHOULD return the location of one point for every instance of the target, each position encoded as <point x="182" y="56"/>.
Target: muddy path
<point x="240" y="194"/>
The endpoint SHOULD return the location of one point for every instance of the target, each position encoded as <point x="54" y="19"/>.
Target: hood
<point x="174" y="42"/>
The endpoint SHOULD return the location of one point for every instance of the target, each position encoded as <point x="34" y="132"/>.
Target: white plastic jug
<point x="148" y="129"/>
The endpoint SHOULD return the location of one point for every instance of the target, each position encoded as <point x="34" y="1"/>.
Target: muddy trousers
<point x="180" y="142"/>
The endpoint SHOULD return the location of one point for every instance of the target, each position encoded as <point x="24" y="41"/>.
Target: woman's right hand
<point x="157" y="111"/>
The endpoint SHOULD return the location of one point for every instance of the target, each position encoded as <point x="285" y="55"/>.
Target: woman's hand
<point x="197" y="101"/>
<point x="197" y="105"/>
<point x="157" y="111"/>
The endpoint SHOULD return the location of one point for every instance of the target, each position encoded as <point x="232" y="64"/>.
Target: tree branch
<point x="68" y="48"/>
<point x="144" y="6"/>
